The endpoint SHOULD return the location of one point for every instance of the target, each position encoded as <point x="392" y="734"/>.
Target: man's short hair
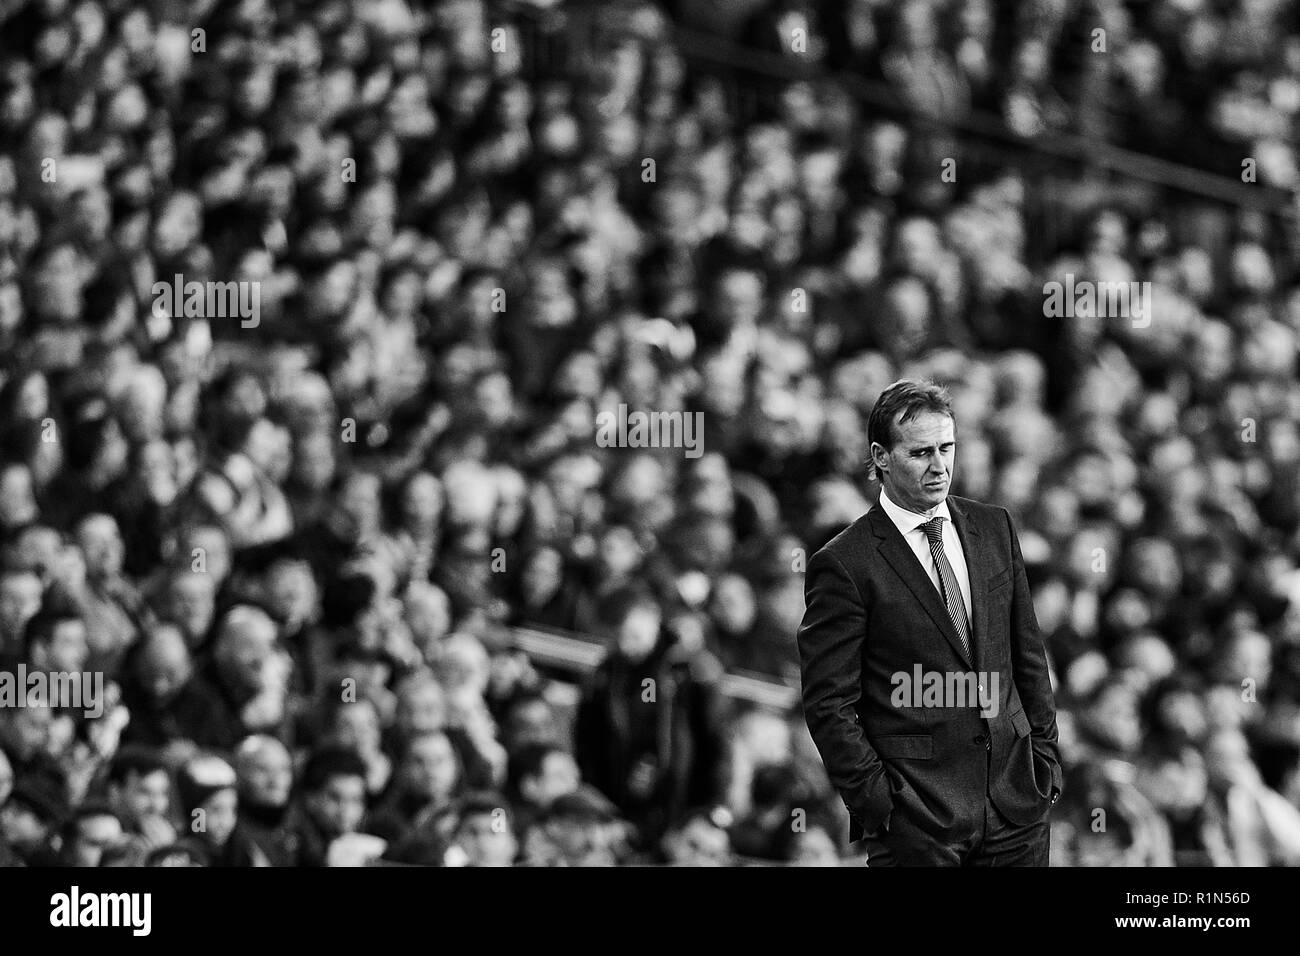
<point x="186" y="852"/>
<point x="328" y="763"/>
<point x="899" y="403"/>
<point x="40" y="629"/>
<point x="136" y="760"/>
<point x="528" y="762"/>
<point x="244" y="614"/>
<point x="483" y="803"/>
<point x="87" y="811"/>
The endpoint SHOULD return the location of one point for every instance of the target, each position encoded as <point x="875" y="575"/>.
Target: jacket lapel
<point x="977" y="567"/>
<point x="902" y="559"/>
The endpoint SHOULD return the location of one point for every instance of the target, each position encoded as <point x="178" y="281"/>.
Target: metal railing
<point x="579" y="654"/>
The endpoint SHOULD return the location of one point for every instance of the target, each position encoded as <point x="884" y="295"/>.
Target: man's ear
<point x="878" y="454"/>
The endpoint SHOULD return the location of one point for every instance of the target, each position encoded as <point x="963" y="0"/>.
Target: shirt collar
<point x="908" y="521"/>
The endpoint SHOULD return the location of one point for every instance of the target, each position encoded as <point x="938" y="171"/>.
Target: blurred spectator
<point x="332" y="803"/>
<point x="139" y="789"/>
<point x="209" y="800"/>
<point x="264" y="772"/>
<point x="646" y="731"/>
<point x="699" y="840"/>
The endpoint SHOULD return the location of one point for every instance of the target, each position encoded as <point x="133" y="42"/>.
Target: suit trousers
<point x="997" y="842"/>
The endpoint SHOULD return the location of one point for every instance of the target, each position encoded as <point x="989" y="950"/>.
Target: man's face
<point x="291" y="590"/>
<point x="1114" y="717"/>
<point x="192" y="604"/>
<point x="248" y="651"/>
<point x="700" y="844"/>
<point x="358" y="509"/>
<point x="30" y="730"/>
<point x="734" y="605"/>
<point x="40" y="550"/>
<point x="462" y="664"/>
<point x="165" y="667"/>
<point x="422" y="707"/>
<point x="559" y="777"/>
<point x="215" y="548"/>
<point x="570" y="842"/>
<point x="471" y="498"/>
<point x="917" y="471"/>
<point x="20" y="599"/>
<point x="58" y="285"/>
<point x="487" y="842"/>
<point x="639" y="632"/>
<point x="427" y="614"/>
<point x="543" y="575"/>
<point x="313" y="462"/>
<point x="94" y="836"/>
<point x="146" y="795"/>
<point x="357" y="727"/>
<point x="158" y="471"/>
<point x="339" y="805"/>
<point x="430" y="768"/>
<point x="1249" y="656"/>
<point x="531" y="722"/>
<point x="422" y="501"/>
<point x="619" y="553"/>
<point x="220" y="815"/>
<point x="144" y="404"/>
<point x="494" y="399"/>
<point x="739" y="298"/>
<point x="21" y="829"/>
<point x="1177" y="787"/>
<point x="69" y="648"/>
<point x="267" y="776"/>
<point x="17" y="499"/>
<point x="1185" y="712"/>
<point x="268" y="447"/>
<point x="816" y="848"/>
<point x="540" y="848"/>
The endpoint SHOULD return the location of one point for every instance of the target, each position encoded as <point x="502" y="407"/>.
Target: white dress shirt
<point x="909" y="525"/>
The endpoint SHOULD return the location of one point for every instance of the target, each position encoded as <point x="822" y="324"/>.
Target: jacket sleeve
<point x="830" y="655"/>
<point x="1029" y="665"/>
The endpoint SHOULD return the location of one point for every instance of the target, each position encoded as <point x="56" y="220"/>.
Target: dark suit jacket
<point x="872" y="612"/>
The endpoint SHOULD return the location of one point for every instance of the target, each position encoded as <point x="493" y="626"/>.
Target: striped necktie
<point x="948" y="581"/>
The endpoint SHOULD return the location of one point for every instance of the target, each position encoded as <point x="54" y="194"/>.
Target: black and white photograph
<point x="650" y="434"/>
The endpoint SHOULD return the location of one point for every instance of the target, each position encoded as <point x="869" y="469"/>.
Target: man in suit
<point x="930" y="584"/>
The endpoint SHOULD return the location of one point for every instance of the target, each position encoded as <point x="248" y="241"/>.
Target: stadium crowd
<point x="296" y="548"/>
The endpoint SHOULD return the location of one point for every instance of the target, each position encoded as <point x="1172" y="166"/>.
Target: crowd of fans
<point x="297" y="549"/>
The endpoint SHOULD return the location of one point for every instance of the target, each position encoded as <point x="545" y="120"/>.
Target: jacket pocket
<point x="1021" y="723"/>
<point x="905" y="746"/>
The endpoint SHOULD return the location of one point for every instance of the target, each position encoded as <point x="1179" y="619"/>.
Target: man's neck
<point x="894" y="501"/>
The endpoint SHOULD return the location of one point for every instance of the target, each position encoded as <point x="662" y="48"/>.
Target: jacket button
<point x="981" y="739"/>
